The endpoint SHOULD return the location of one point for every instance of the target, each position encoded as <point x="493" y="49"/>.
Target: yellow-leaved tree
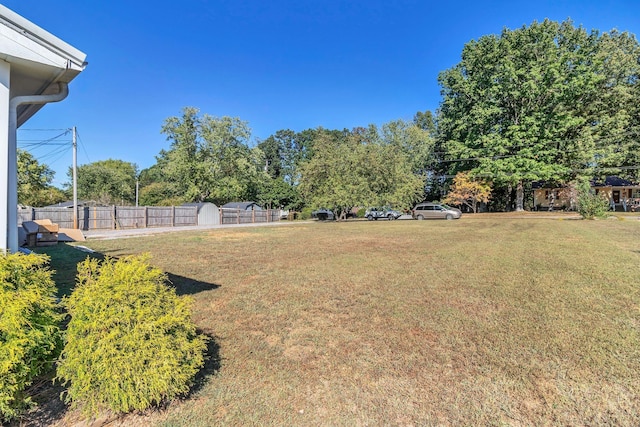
<point x="468" y="191"/>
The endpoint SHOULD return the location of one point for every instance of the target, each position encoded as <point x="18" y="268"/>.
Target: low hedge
<point x="130" y="342"/>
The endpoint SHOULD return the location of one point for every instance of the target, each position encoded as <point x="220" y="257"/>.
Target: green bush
<point x="591" y="205"/>
<point x="306" y="213"/>
<point x="30" y="337"/>
<point x="361" y="212"/>
<point x="130" y="342"/>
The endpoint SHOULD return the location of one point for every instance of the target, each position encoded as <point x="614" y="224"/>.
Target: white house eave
<point x="23" y="40"/>
<point x="39" y="60"/>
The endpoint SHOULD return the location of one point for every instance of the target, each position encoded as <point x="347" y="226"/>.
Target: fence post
<point x="173" y="216"/>
<point x="146" y="217"/>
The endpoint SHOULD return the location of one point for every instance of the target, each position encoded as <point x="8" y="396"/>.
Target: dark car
<point x="432" y="210"/>
<point x="322" y="214"/>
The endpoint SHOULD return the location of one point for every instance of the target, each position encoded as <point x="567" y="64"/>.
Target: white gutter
<point x="12" y="193"/>
<point x="42" y="38"/>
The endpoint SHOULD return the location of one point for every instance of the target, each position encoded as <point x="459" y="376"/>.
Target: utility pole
<point x="75" y="180"/>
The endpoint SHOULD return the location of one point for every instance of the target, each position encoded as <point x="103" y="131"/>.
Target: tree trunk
<point x="520" y="197"/>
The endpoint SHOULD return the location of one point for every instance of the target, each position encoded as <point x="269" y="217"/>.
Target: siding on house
<point x="623" y="195"/>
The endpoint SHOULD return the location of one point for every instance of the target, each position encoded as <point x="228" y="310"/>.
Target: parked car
<point x="322" y="214"/>
<point x="432" y="210"/>
<point x="375" y="213"/>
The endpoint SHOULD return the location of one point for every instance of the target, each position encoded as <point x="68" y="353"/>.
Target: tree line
<point x="546" y="102"/>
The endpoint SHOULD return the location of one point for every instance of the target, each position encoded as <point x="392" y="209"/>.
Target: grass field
<point x="481" y="321"/>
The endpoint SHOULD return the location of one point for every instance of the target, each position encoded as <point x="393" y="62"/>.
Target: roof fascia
<point x="45" y="41"/>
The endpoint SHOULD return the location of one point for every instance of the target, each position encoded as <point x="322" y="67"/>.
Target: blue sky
<point x="275" y="64"/>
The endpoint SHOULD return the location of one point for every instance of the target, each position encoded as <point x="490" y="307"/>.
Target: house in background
<point x="623" y="195"/>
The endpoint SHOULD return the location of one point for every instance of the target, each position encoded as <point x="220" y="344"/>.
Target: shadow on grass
<point x="65" y="258"/>
<point x="212" y="364"/>
<point x="187" y="286"/>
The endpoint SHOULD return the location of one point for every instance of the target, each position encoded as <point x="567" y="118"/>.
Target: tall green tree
<point x="34" y="182"/>
<point x="107" y="181"/>
<point x="618" y="58"/>
<point x="527" y="105"/>
<point x="210" y="159"/>
<point x="363" y="169"/>
<point x="282" y="155"/>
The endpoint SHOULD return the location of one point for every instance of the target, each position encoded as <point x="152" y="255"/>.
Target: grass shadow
<point x="65" y="258"/>
<point x="187" y="286"/>
<point x="212" y="364"/>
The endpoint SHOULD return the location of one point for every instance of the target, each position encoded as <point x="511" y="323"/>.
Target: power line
<point x="42" y="130"/>
<point x="48" y="150"/>
<point x="82" y="145"/>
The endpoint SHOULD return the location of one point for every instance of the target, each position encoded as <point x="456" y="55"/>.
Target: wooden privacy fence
<point x="121" y="217"/>
<point x="241" y="216"/>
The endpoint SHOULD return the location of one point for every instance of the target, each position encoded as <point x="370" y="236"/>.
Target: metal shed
<point x="208" y="213"/>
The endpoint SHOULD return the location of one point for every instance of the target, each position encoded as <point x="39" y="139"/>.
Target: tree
<point x="416" y="140"/>
<point x="34" y="182"/>
<point x="156" y="189"/>
<point x="590" y="205"/>
<point x="282" y="153"/>
<point x="276" y="192"/>
<point x="617" y="58"/>
<point x="528" y="104"/>
<point x="209" y="158"/>
<point x="467" y="191"/>
<point x="107" y="181"/>
<point x="426" y="121"/>
<point x="361" y="170"/>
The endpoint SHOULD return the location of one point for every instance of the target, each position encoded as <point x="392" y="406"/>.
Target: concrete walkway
<point x="139" y="232"/>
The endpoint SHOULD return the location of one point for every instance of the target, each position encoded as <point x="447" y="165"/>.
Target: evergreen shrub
<point x="591" y="205"/>
<point x="130" y="343"/>
<point x="30" y="337"/>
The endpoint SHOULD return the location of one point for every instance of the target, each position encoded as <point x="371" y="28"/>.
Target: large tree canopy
<point x="209" y="158"/>
<point x="536" y="103"/>
<point x="367" y="168"/>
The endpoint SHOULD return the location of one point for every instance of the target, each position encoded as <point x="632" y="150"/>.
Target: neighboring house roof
<point x="609" y="181"/>
<point x="247" y="206"/>
<point x="613" y="181"/>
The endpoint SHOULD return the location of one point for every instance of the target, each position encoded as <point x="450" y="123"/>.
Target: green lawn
<point x="481" y="321"/>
